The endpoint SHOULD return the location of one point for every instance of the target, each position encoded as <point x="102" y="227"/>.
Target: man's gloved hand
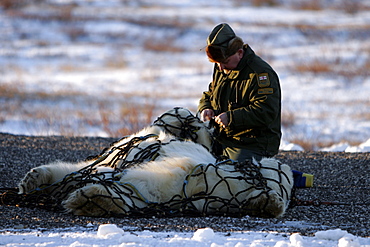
<point x="222" y="120"/>
<point x="207" y="114"/>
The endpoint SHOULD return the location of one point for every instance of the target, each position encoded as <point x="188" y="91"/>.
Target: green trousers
<point x="241" y="155"/>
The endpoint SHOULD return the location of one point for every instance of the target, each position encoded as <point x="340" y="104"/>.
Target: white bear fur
<point x="160" y="179"/>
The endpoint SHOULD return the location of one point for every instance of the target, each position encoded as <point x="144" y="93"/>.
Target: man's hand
<point x="222" y="120"/>
<point x="207" y="114"/>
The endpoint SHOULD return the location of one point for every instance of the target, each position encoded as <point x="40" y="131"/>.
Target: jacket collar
<point x="248" y="54"/>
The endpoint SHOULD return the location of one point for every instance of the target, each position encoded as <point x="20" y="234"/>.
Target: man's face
<point x="231" y="62"/>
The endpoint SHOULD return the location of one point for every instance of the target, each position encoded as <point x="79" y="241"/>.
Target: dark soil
<point x="341" y="190"/>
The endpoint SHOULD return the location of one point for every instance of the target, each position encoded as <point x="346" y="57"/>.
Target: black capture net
<point x="120" y="199"/>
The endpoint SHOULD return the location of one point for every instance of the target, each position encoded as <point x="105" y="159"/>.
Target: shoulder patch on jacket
<point x="268" y="90"/>
<point x="263" y="80"/>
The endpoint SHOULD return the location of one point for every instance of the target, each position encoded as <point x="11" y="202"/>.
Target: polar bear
<point x="168" y="163"/>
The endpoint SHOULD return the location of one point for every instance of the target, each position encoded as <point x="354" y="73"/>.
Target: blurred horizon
<point x="109" y="68"/>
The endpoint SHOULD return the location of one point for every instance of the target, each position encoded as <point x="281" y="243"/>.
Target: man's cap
<point x="221" y="35"/>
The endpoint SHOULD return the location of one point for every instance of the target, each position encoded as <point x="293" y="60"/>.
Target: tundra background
<point x="108" y="68"/>
<point x="76" y="75"/>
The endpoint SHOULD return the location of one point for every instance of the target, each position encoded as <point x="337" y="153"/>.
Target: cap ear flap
<point x="216" y="54"/>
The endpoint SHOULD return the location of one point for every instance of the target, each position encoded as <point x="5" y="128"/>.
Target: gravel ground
<point x="339" y="177"/>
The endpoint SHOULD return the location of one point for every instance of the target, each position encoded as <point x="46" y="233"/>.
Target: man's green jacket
<point x="251" y="96"/>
